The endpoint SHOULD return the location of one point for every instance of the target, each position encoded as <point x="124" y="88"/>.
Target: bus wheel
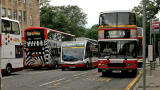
<point x="134" y="73"/>
<point x="63" y="69"/>
<point x="87" y="66"/>
<point x="103" y="74"/>
<point x="56" y="65"/>
<point x="8" y="69"/>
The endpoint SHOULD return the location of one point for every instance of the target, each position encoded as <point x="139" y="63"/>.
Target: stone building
<point x="27" y="12"/>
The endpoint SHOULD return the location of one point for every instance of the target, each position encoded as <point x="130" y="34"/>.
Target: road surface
<point x="64" y="80"/>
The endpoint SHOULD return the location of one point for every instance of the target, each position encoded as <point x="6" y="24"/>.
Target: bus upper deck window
<point x="6" y="26"/>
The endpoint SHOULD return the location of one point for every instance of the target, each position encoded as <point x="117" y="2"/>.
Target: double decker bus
<point x="42" y="47"/>
<point x="118" y="42"/>
<point x="140" y="45"/>
<point x="11" y="46"/>
<point x="82" y="53"/>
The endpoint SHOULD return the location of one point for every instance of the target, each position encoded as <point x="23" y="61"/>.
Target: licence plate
<point x="116" y="71"/>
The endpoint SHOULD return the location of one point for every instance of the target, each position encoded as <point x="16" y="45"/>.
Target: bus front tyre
<point x="134" y="73"/>
<point x="87" y="66"/>
<point x="56" y="65"/>
<point x="103" y="74"/>
<point x="8" y="69"/>
<point x="63" y="69"/>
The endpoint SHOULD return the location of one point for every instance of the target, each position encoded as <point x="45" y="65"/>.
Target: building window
<point x="15" y="0"/>
<point x="19" y="0"/>
<point x="25" y="17"/>
<point x="20" y="15"/>
<point x="9" y="13"/>
<point x="31" y="20"/>
<point x="24" y="1"/>
<point x="3" y="12"/>
<point x="30" y="3"/>
<point x="15" y="14"/>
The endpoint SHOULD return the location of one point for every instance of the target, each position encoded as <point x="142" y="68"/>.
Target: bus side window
<point x="88" y="51"/>
<point x="15" y="28"/>
<point x="6" y="26"/>
<point x="18" y="51"/>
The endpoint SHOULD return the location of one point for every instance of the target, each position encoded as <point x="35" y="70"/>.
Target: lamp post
<point x="0" y="46"/>
<point x="144" y="44"/>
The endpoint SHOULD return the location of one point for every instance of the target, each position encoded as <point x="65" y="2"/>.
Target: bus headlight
<point x="43" y="48"/>
<point x="99" y="64"/>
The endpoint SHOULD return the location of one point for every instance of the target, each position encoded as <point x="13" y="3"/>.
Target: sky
<point x="93" y="7"/>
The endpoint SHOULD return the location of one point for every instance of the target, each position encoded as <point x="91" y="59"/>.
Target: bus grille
<point x="116" y="65"/>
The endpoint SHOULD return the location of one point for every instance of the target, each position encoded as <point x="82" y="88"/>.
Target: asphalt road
<point x="64" y="80"/>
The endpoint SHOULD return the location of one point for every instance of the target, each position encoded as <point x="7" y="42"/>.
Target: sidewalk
<point x="152" y="80"/>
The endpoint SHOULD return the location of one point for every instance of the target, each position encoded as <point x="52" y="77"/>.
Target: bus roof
<point x="6" y="18"/>
<point x="68" y="34"/>
<point x="73" y="42"/>
<point x="114" y="11"/>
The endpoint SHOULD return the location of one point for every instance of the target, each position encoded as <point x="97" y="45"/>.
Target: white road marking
<point x="6" y="77"/>
<point x="52" y="82"/>
<point x="80" y="74"/>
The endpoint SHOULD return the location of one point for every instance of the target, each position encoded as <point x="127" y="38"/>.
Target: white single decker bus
<point x="82" y="53"/>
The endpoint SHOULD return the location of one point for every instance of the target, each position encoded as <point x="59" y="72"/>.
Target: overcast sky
<point x="93" y="7"/>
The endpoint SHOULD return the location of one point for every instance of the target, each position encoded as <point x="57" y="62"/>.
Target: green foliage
<point x="92" y="33"/>
<point x="44" y="3"/>
<point x="152" y="8"/>
<point x="69" y="19"/>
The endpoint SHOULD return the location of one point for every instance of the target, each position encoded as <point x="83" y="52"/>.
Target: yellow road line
<point x="133" y="81"/>
<point x="67" y="80"/>
<point x="57" y="84"/>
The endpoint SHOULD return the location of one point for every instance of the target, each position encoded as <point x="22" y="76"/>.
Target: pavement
<point x="152" y="78"/>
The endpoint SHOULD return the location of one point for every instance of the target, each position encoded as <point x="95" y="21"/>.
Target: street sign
<point x="155" y="26"/>
<point x="150" y="52"/>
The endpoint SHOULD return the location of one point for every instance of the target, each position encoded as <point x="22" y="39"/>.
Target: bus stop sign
<point x="155" y="26"/>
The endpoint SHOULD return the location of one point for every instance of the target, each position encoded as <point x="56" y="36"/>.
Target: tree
<point x="44" y="3"/>
<point x="152" y="8"/>
<point x="92" y="33"/>
<point x="69" y="19"/>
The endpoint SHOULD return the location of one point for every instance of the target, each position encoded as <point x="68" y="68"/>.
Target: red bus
<point x="118" y="42"/>
<point x="140" y="45"/>
<point x="42" y="47"/>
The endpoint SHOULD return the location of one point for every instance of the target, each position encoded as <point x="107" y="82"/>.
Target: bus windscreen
<point x="73" y="51"/>
<point x="35" y="35"/>
<point x="120" y="18"/>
